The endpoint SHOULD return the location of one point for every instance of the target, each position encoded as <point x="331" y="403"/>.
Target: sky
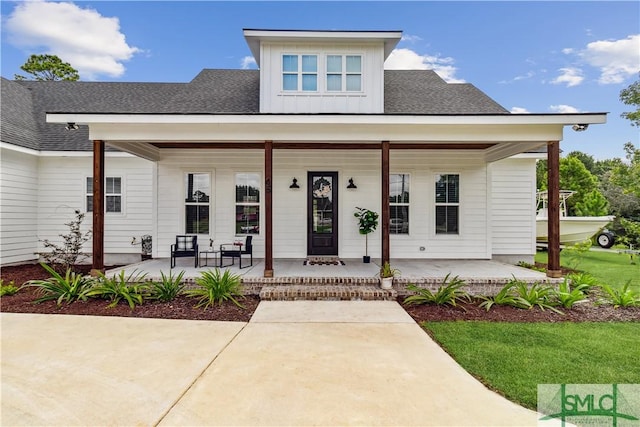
<point x="530" y="57"/>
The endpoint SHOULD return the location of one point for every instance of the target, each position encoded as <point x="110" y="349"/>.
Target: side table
<point x="206" y="255"/>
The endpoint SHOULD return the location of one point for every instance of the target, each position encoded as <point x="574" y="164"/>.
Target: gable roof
<point x="25" y="103"/>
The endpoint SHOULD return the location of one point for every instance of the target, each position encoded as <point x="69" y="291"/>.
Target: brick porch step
<point x="327" y="293"/>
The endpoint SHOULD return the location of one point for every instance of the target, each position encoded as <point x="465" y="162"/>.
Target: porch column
<point x="386" y="210"/>
<point x="553" y="214"/>
<point x="268" y="205"/>
<point x="98" y="205"/>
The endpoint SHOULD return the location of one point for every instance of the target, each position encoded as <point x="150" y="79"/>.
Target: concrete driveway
<point x="295" y="363"/>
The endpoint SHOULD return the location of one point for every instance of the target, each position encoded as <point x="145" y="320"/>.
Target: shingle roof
<point x="25" y="103"/>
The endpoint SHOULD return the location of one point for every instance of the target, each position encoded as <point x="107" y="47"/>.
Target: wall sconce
<point x="71" y="126"/>
<point x="580" y="127"/>
<point x="294" y="184"/>
<point x="351" y="184"/>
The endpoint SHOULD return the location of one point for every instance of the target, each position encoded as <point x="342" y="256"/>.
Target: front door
<point x="322" y="213"/>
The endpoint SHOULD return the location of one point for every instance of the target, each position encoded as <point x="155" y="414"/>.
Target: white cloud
<point x="91" y="43"/>
<point x="519" y="110"/>
<point x="616" y="59"/>
<point x="247" y="62"/>
<point x="563" y="109"/>
<point x="570" y="76"/>
<point x="410" y="38"/>
<point x="406" y="59"/>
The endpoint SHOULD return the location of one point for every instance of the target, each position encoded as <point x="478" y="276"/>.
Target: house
<point x="284" y="153"/>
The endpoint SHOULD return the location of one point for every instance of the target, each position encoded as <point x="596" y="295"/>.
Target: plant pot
<point x="386" y="282"/>
<point x="366" y="259"/>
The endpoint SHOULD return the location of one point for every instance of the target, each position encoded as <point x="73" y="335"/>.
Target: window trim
<point x="343" y="73"/>
<point x="89" y="206"/>
<point x="436" y="204"/>
<point x="258" y="203"/>
<point x="407" y="204"/>
<point x="299" y="73"/>
<point x="184" y="203"/>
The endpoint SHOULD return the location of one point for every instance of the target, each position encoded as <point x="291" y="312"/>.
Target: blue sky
<point x="536" y="57"/>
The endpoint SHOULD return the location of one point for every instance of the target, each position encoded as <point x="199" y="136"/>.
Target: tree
<point x="48" y="68"/>
<point x="587" y="160"/>
<point x="631" y="96"/>
<point x="627" y="176"/>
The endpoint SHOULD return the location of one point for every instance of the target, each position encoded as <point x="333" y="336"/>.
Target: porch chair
<point x="185" y="246"/>
<point x="242" y="246"/>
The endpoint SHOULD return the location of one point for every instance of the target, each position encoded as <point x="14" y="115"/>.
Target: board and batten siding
<point x="290" y="205"/>
<point x="274" y="100"/>
<point x="18" y="206"/>
<point x="62" y="191"/>
<point x="513" y="222"/>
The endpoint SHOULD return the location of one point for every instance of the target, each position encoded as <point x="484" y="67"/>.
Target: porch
<point x="351" y="279"/>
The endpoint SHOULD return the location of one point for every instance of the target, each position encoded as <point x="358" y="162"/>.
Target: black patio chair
<point x="236" y="250"/>
<point x="185" y="246"/>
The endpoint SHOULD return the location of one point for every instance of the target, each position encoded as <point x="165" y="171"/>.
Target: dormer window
<point x="344" y="73"/>
<point x="300" y="73"/>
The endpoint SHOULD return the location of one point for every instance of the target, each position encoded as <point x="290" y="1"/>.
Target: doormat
<point x="330" y="261"/>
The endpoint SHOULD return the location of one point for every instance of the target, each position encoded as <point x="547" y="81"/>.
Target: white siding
<point x="290" y="205"/>
<point x="513" y="190"/>
<point x="274" y="100"/>
<point x="62" y="190"/>
<point x="18" y="206"/>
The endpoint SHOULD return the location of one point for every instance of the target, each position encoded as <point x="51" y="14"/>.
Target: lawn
<point x="513" y="358"/>
<point x="612" y="268"/>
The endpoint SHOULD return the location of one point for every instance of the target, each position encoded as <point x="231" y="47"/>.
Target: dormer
<point x="321" y="71"/>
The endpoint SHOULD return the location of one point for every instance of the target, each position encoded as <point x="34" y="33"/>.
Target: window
<point x="447" y="203"/>
<point x="113" y="194"/>
<point x="300" y="72"/>
<point x="247" y="203"/>
<point x="197" y="202"/>
<point x="399" y="203"/>
<point x="344" y="73"/>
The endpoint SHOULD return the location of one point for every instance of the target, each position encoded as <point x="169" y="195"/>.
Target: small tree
<point x="66" y="255"/>
<point x="48" y="68"/>
<point x="367" y="223"/>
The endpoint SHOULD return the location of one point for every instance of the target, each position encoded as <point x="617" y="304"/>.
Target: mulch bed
<point x="183" y="307"/>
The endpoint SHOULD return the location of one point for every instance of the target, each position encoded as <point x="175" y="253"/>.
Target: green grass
<point x="611" y="268"/>
<point x="513" y="358"/>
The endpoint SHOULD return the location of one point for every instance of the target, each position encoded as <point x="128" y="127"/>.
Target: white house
<point x="284" y="154"/>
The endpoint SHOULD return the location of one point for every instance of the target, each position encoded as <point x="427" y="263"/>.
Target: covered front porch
<point x="350" y="278"/>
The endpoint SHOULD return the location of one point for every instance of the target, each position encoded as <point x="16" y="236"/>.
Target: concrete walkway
<point x="295" y="363"/>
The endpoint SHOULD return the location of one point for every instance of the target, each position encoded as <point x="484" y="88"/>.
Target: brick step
<point x="327" y="293"/>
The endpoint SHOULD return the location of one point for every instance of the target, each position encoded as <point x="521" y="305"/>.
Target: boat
<point x="573" y="229"/>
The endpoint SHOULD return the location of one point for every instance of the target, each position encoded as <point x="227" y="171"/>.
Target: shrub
<point x="216" y="287"/>
<point x="449" y="292"/>
<point x="505" y="296"/>
<point x="584" y="280"/>
<point x="8" y="288"/>
<point x="70" y="287"/>
<point x="536" y="295"/>
<point x="168" y="288"/>
<point x="70" y="251"/>
<point x="622" y="298"/>
<point x="120" y="287"/>
<point x="567" y="297"/>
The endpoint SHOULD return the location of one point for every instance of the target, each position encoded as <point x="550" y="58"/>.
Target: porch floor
<point x="409" y="268"/>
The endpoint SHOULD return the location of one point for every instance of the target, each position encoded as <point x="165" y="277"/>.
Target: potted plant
<point x="367" y="223"/>
<point x="386" y="275"/>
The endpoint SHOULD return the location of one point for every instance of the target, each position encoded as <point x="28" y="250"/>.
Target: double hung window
<point x="399" y="203"/>
<point x="247" y="203"/>
<point x="447" y="203"/>
<point x="113" y="194"/>
<point x="300" y="73"/>
<point x="197" y="202"/>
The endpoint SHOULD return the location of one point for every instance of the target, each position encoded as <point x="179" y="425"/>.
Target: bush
<point x="168" y="288"/>
<point x="567" y="297"/>
<point x="449" y="293"/>
<point x="536" y="295"/>
<point x="70" y="252"/>
<point x="621" y="298"/>
<point x="214" y="287"/>
<point x="120" y="287"/>
<point x="70" y="287"/>
<point x="505" y="296"/>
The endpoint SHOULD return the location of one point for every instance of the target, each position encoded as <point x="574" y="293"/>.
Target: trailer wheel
<point x="605" y="240"/>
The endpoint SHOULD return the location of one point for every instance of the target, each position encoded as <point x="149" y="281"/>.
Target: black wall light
<point x="294" y="184"/>
<point x="351" y="184"/>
